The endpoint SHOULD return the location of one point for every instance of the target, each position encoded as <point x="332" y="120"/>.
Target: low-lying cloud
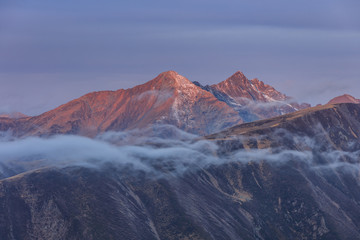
<point x="264" y="106"/>
<point x="160" y="95"/>
<point x="159" y="151"/>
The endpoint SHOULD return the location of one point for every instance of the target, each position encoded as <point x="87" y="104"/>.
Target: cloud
<point x="160" y="151"/>
<point x="263" y="105"/>
<point x="161" y="96"/>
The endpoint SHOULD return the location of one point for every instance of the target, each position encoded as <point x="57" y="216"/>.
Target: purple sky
<point x="55" y="51"/>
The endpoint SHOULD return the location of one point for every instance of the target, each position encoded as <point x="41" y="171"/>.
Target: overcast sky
<point x="54" y="51"/>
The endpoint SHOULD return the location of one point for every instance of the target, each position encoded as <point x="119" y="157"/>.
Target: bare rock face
<point x="253" y="99"/>
<point x="280" y="198"/>
<point x="346" y="98"/>
<point x="168" y="99"/>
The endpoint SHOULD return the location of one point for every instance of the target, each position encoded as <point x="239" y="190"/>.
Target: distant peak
<point x="345" y="98"/>
<point x="14" y="115"/>
<point x="169" y="74"/>
<point x="237" y="79"/>
<point x="238" y="74"/>
<point x="170" y="79"/>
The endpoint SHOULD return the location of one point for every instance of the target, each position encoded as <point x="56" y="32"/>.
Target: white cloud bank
<point x="160" y="150"/>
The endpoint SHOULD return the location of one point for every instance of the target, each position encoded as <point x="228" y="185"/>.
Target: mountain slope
<point x="281" y="194"/>
<point x="331" y="117"/>
<point x="167" y="99"/>
<point x="253" y="99"/>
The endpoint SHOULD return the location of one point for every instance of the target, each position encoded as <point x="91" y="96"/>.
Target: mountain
<point x="290" y="177"/>
<point x="13" y="115"/>
<point x="253" y="99"/>
<point x="168" y="99"/>
<point x="346" y="98"/>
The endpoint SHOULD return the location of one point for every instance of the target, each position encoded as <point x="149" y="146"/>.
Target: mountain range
<point x="167" y="99"/>
<point x="125" y="165"/>
<point x="290" y="177"/>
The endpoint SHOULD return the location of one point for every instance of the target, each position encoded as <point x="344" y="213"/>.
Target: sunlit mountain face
<point x="167" y="99"/>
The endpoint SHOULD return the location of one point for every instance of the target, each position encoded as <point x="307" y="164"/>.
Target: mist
<point x="160" y="151"/>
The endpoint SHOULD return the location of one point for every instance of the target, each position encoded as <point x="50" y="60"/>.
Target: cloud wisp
<point x="159" y="151"/>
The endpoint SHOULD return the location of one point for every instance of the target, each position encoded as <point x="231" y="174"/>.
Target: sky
<point x="54" y="51"/>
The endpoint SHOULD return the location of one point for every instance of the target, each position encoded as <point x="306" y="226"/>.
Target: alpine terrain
<point x="167" y="99"/>
<point x="294" y="176"/>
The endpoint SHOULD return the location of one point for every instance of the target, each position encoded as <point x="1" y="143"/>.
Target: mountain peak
<point x="14" y="115"/>
<point x="237" y="78"/>
<point x="239" y="73"/>
<point x="169" y="74"/>
<point x="346" y="98"/>
<point x="237" y="81"/>
<point x="262" y="100"/>
<point x="170" y="79"/>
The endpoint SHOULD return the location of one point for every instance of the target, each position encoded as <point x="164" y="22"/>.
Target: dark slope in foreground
<point x="289" y="198"/>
